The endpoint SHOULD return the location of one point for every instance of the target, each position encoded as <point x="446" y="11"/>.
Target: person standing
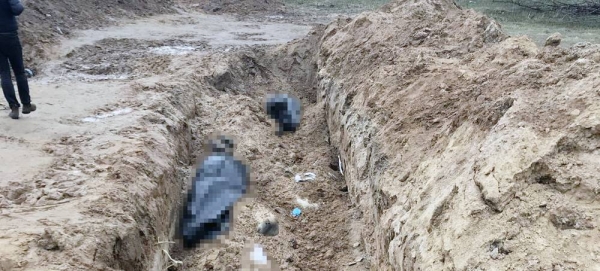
<point x="11" y="55"/>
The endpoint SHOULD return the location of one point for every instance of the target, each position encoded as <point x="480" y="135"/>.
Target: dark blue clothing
<point x="286" y="110"/>
<point x="8" y="10"/>
<point x="220" y="182"/>
<point x="11" y="54"/>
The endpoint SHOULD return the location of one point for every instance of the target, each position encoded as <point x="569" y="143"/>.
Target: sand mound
<point x="465" y="149"/>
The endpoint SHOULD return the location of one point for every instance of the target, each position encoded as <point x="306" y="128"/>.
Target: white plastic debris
<point x="108" y="115"/>
<point x="258" y="255"/>
<point x="306" y="204"/>
<point x="173" y="50"/>
<point x="309" y="176"/>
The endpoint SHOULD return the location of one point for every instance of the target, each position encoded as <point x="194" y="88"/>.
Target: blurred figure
<point x="221" y="180"/>
<point x="11" y="54"/>
<point x="285" y="110"/>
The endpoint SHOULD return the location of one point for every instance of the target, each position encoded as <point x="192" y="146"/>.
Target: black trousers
<point x="11" y="54"/>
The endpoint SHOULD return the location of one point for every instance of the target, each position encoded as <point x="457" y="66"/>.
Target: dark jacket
<point x="8" y="10"/>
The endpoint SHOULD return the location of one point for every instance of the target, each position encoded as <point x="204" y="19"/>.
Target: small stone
<point x="333" y="165"/>
<point x="289" y="258"/>
<point x="42" y="201"/>
<point x="543" y="205"/>
<point x="212" y="257"/>
<point x="279" y="210"/>
<point x="494" y="254"/>
<point x="48" y="242"/>
<point x="329" y="254"/>
<point x="344" y="188"/>
<point x="268" y="227"/>
<point x="596" y="129"/>
<point x="55" y="195"/>
<point x="289" y="173"/>
<point x="357" y="244"/>
<point x="294" y="244"/>
<point x="575" y="112"/>
<point x="443" y="87"/>
<point x="554" y="40"/>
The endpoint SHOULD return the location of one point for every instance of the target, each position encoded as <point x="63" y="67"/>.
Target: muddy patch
<point x="127" y="58"/>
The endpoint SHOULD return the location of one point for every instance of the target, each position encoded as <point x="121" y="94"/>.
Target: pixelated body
<point x="285" y="110"/>
<point x="220" y="181"/>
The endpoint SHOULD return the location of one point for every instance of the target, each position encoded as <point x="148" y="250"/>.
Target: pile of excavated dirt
<point x="464" y="149"/>
<point x="43" y="23"/>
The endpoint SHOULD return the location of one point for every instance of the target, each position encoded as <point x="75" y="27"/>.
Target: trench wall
<point x="465" y="149"/>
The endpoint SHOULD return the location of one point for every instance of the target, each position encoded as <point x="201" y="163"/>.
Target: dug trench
<point x="461" y="149"/>
<point x="110" y="199"/>
<point x="232" y="103"/>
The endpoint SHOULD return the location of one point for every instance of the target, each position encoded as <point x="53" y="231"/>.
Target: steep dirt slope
<point x="465" y="149"/>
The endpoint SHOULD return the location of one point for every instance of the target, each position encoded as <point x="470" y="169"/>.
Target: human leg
<point x="15" y="56"/>
<point x="6" y="80"/>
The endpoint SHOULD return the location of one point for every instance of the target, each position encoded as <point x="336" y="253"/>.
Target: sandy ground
<point x="66" y="96"/>
<point x="462" y="148"/>
<point x="95" y="175"/>
<point x="87" y="97"/>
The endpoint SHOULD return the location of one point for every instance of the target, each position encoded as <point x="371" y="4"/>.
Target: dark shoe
<point x="14" y="113"/>
<point x="29" y="108"/>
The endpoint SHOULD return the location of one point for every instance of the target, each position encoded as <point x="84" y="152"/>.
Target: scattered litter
<point x="296" y="212"/>
<point x="173" y="50"/>
<point x="108" y="115"/>
<point x="275" y="17"/>
<point x="309" y="176"/>
<point x="306" y="204"/>
<point x="358" y="260"/>
<point x="258" y="255"/>
<point x="340" y="165"/>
